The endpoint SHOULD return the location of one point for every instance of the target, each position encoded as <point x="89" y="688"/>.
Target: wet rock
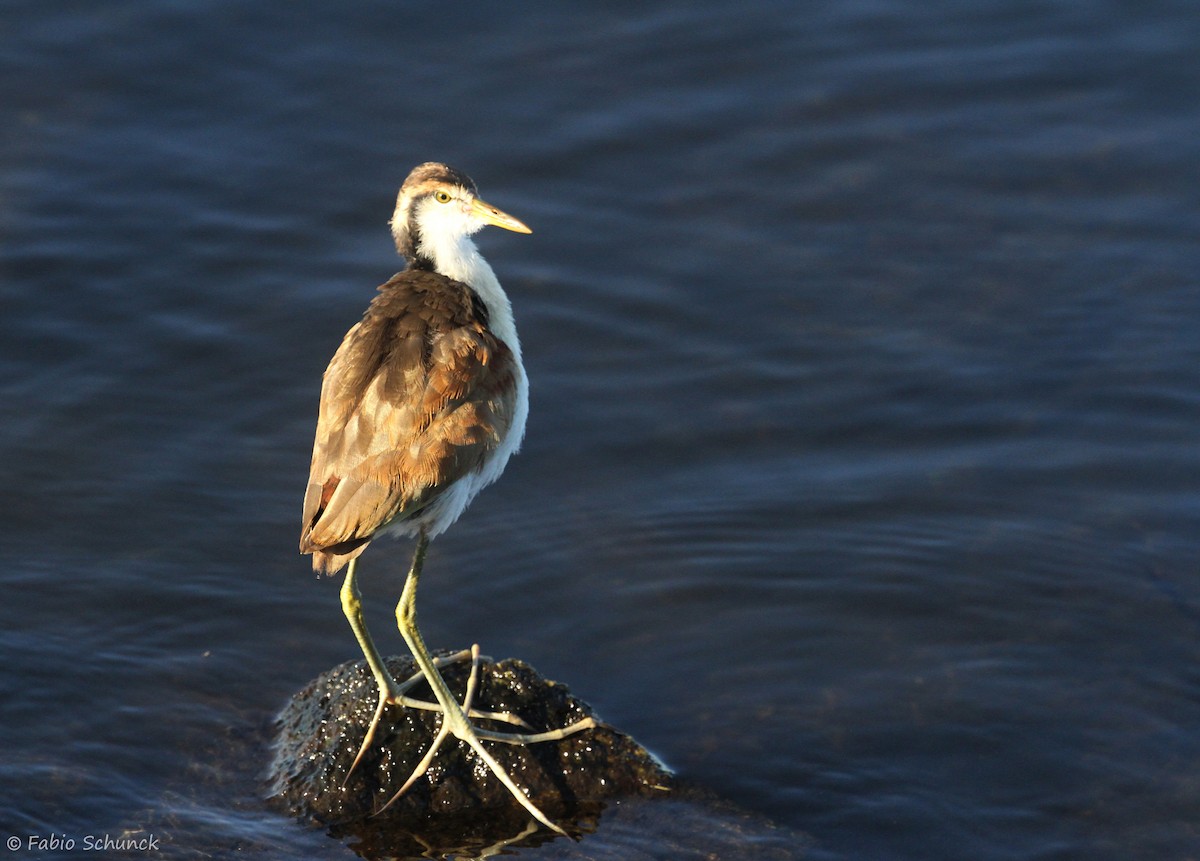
<point x="458" y="804"/>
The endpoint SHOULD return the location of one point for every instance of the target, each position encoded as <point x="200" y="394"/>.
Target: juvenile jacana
<point x="421" y="407"/>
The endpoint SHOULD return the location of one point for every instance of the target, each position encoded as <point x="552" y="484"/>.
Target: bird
<point x="421" y="407"/>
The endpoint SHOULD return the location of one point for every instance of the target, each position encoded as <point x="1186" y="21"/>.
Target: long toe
<point x="370" y="735"/>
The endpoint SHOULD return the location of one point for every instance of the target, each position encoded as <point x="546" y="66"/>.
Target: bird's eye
<point x="442" y="197"/>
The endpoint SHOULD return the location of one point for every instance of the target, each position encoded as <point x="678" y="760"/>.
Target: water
<point x="861" y="480"/>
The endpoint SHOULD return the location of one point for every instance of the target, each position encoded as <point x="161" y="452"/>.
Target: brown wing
<point x="414" y="398"/>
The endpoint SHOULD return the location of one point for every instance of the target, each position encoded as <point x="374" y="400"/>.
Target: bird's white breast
<point x="458" y="258"/>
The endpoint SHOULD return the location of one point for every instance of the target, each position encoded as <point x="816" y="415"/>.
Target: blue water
<point x="862" y="480"/>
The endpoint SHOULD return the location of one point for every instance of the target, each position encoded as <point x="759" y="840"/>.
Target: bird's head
<point x="437" y="210"/>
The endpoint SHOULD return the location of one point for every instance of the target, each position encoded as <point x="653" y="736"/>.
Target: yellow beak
<point x="492" y="215"/>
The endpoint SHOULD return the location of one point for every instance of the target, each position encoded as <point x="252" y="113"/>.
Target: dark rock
<point x="458" y="805"/>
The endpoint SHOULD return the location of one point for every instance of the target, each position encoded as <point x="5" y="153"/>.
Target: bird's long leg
<point x="352" y="607"/>
<point x="389" y="690"/>
<point x="454" y="718"/>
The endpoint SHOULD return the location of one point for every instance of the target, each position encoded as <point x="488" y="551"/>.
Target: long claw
<point x="534" y="738"/>
<point x="442" y="733"/>
<point x="422" y="767"/>
<point x="366" y="742"/>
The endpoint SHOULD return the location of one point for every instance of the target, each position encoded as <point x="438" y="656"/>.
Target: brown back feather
<point x="416" y="396"/>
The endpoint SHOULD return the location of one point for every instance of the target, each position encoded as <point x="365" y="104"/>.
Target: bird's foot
<point x="455" y="722"/>
<point x="396" y="697"/>
<point x="394" y="694"/>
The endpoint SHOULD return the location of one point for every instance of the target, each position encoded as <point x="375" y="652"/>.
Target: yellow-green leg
<point x="389" y="691"/>
<point x="454" y="717"/>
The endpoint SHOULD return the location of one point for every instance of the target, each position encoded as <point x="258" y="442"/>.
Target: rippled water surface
<point x="861" y="482"/>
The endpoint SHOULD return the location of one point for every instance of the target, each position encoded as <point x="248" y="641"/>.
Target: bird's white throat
<point x="455" y="255"/>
